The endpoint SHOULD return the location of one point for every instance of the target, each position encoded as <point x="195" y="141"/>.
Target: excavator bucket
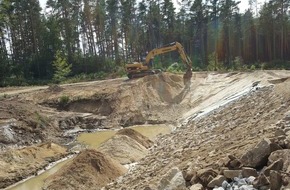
<point x="187" y="77"/>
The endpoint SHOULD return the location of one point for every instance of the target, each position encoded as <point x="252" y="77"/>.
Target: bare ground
<point x="243" y="115"/>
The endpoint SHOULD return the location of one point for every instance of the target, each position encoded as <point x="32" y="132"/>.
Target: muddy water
<point x="92" y="140"/>
<point x="36" y="183"/>
<point x="152" y="131"/>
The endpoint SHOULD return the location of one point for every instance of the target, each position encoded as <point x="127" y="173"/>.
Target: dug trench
<point x="206" y="114"/>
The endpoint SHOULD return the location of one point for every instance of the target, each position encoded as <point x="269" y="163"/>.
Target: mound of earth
<point x="18" y="164"/>
<point x="126" y="146"/>
<point x="89" y="170"/>
<point x="141" y="139"/>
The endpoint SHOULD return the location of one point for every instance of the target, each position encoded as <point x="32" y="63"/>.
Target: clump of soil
<point x="126" y="146"/>
<point x="89" y="170"/>
<point x="20" y="163"/>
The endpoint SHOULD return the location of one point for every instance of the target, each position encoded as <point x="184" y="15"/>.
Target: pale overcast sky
<point x="243" y="5"/>
<point x="42" y="3"/>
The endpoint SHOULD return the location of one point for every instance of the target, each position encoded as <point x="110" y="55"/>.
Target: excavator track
<point x="143" y="74"/>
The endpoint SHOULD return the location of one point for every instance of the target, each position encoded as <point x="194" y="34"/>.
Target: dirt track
<point x="219" y="114"/>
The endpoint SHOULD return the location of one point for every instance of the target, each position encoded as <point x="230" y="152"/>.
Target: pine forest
<point x="96" y="38"/>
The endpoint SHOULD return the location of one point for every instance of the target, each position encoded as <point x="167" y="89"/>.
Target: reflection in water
<point x="93" y="140"/>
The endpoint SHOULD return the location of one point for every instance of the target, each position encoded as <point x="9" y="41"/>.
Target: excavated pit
<point x="133" y="102"/>
<point x="59" y="114"/>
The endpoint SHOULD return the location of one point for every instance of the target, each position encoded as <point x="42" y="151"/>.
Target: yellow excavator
<point x="136" y="70"/>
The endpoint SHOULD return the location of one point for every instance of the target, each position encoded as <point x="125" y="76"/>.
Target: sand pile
<point x="127" y="146"/>
<point x="89" y="170"/>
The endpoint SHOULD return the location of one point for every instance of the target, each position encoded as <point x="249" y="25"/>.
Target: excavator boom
<point x="175" y="46"/>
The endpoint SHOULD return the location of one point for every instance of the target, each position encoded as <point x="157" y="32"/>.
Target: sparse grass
<point x="98" y="96"/>
<point x="253" y="67"/>
<point x="41" y="120"/>
<point x="63" y="100"/>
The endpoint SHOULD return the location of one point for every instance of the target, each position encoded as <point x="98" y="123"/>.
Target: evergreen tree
<point x="249" y="37"/>
<point x="168" y="18"/>
<point x="112" y="29"/>
<point x="228" y="9"/>
<point x="127" y="27"/>
<point x="61" y="66"/>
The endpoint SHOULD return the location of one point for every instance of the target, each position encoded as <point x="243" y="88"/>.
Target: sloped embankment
<point x="23" y="162"/>
<point x="147" y="99"/>
<point x="126" y="146"/>
<point x="217" y="143"/>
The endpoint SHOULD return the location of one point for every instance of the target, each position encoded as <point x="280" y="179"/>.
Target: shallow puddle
<point x="36" y="183"/>
<point x="92" y="140"/>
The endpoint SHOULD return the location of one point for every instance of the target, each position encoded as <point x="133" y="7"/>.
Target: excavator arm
<point x="139" y="69"/>
<point x="175" y="46"/>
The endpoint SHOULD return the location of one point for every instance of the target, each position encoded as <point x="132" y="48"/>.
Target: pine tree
<point x="127" y="27"/>
<point x="228" y="9"/>
<point x="61" y="66"/>
<point x="249" y="37"/>
<point x="168" y="18"/>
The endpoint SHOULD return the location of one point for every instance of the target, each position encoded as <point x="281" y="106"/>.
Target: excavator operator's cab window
<point x="151" y="63"/>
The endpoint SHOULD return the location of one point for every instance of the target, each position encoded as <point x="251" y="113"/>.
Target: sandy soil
<point x="16" y="164"/>
<point x="126" y="146"/>
<point x="220" y="113"/>
<point x="89" y="170"/>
